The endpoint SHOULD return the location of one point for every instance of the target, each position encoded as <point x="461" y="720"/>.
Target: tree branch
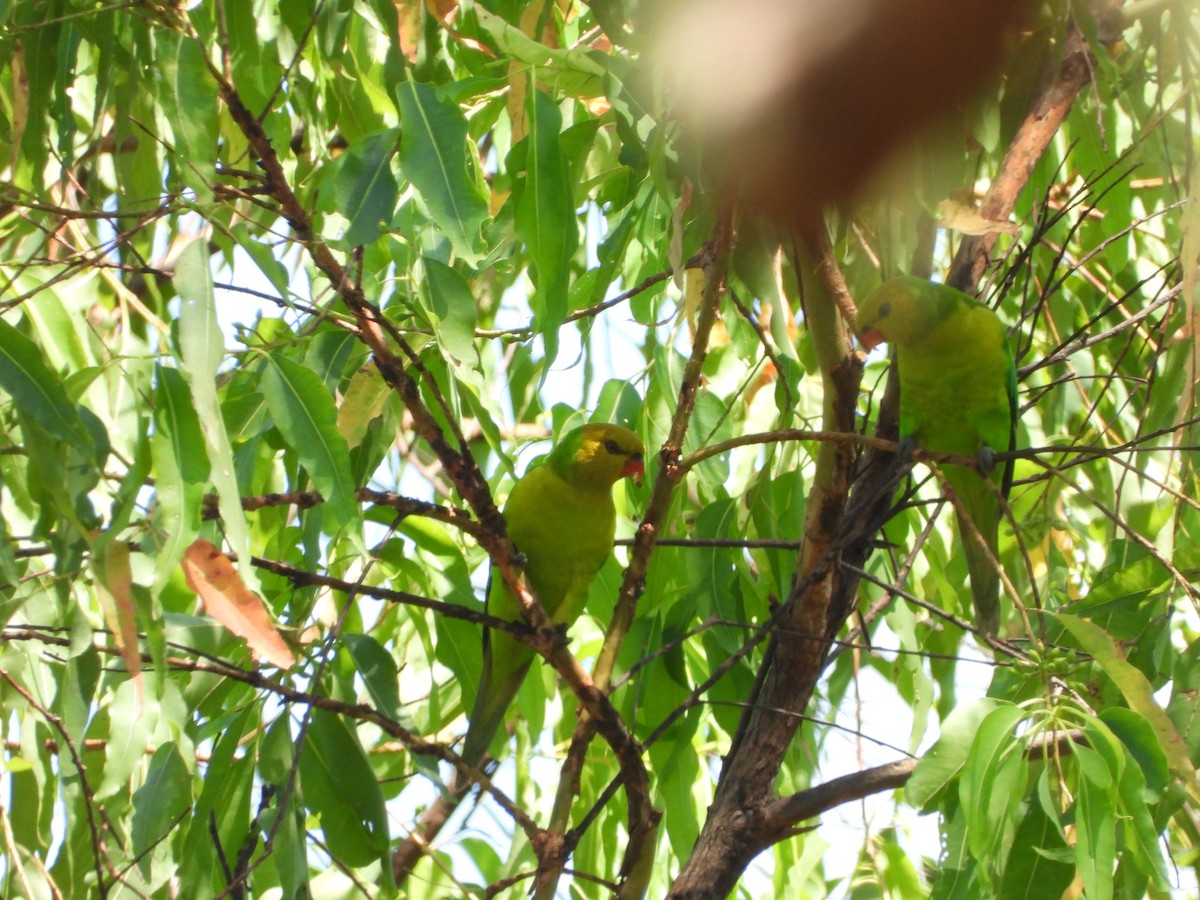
<point x="1046" y="116"/>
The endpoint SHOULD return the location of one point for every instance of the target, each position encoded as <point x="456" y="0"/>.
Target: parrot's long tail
<point x="977" y="499"/>
<point x="497" y="689"/>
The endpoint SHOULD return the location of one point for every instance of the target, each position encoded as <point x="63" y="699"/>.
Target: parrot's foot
<point x="985" y="458"/>
<point x="906" y="448"/>
<point x="520" y="561"/>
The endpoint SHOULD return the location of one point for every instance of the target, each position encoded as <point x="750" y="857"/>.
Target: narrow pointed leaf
<point x="545" y="217"/>
<point x="157" y="805"/>
<point x="182" y="468"/>
<point x="202" y="349"/>
<point x="341" y="788"/>
<point x="434" y="157"/>
<point x="944" y="761"/>
<point x="304" y="413"/>
<point x="1138" y="692"/>
<point x="189" y="100"/>
<point x="364" y="188"/>
<point x="37" y="391"/>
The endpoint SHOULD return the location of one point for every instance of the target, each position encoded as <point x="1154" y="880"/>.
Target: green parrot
<point x="561" y="518"/>
<point x="958" y="395"/>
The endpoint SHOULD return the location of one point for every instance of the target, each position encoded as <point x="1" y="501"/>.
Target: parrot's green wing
<point x="560" y="516"/>
<point x="958" y="395"/>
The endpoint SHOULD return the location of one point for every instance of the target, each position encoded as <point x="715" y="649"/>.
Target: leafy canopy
<point x="291" y="293"/>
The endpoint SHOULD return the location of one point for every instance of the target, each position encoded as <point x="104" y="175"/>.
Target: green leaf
<point x="276" y="757"/>
<point x="378" y="671"/>
<point x="992" y="781"/>
<point x="1141" y="835"/>
<point x="453" y="306"/>
<point x="223" y="806"/>
<point x="163" y="797"/>
<point x="944" y="761"/>
<point x="433" y="156"/>
<point x="37" y="391"/>
<point x="340" y="787"/>
<point x="364" y="188"/>
<point x="1138" y="692"/>
<point x="362" y="403"/>
<point x="1093" y="767"/>
<point x="1095" y="826"/>
<point x="958" y="875"/>
<point x="181" y="470"/>
<point x="575" y="72"/>
<point x="263" y="256"/>
<point x="58" y="333"/>
<point x="1038" y="863"/>
<point x="305" y="415"/>
<point x="131" y="725"/>
<point x="545" y="217"/>
<point x="190" y="103"/>
<point x="202" y="350"/>
<point x="676" y="759"/>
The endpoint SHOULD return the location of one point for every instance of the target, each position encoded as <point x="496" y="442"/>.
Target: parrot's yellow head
<point x="901" y="310"/>
<point x="599" y="455"/>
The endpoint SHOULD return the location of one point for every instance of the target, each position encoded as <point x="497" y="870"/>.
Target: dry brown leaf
<point x="226" y="598"/>
<point x="597" y="106"/>
<point x="19" y="100"/>
<point x="408" y="15"/>
<point x="442" y="10"/>
<point x="116" y="598"/>
<point x="496" y="200"/>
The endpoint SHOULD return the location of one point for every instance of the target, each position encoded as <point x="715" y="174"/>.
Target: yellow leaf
<point x="961" y="217"/>
<point x="362" y="403"/>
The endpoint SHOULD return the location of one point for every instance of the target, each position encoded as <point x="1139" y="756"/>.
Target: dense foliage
<point x="290" y="292"/>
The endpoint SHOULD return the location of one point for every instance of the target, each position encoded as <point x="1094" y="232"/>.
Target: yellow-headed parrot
<point x="561" y="518"/>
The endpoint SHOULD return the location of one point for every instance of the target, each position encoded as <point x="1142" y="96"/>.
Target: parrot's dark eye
<point x="612" y="446"/>
<point x="885" y="310"/>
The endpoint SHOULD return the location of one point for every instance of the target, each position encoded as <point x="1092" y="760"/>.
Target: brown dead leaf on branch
<point x="211" y="574"/>
<point x="116" y="599"/>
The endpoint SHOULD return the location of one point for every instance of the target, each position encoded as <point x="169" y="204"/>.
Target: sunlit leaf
<point x="304" y="412"/>
<point x="177" y="447"/>
<point x="131" y="726"/>
<point x="454" y="306"/>
<point x="433" y="156"/>
<point x="362" y="404"/>
<point x="990" y="787"/>
<point x="545" y="216"/>
<point x="1095" y="824"/>
<point x="202" y="350"/>
<point x="161" y="800"/>
<point x="1132" y="684"/>
<point x="36" y="390"/>
<point x="189" y="100"/>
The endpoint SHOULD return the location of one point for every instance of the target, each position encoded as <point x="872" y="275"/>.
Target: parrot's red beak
<point x="871" y="338"/>
<point x="635" y="468"/>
